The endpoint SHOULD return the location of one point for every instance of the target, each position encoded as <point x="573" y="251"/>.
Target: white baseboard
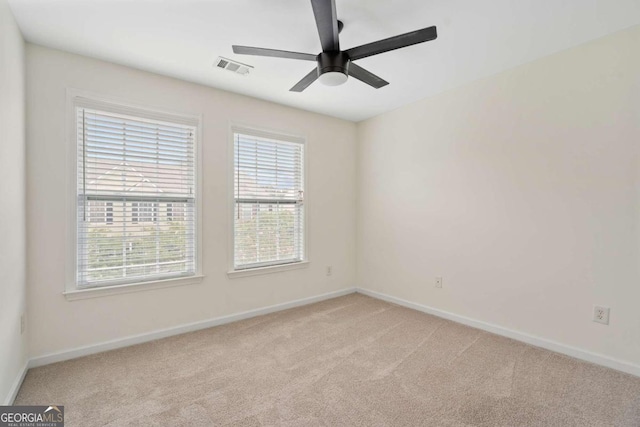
<point x="15" y="387"/>
<point x="557" y="347"/>
<point x="190" y="327"/>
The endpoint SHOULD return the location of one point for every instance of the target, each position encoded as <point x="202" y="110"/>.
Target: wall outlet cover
<point x="601" y="314"/>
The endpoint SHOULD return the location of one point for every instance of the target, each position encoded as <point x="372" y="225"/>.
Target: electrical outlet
<point x="438" y="282"/>
<point x="22" y="324"/>
<point x="601" y="315"/>
<point x="329" y="270"/>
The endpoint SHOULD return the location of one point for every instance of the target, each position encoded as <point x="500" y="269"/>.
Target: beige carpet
<point x="350" y="361"/>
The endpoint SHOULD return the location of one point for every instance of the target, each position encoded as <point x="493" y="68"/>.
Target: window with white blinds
<point x="136" y="199"/>
<point x="269" y="200"/>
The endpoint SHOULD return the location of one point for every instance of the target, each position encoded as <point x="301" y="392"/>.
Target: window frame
<point x="78" y="98"/>
<point x="234" y="128"/>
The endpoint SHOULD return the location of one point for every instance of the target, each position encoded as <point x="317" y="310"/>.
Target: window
<point x="109" y="213"/>
<point x="130" y="168"/>
<point x="269" y="199"/>
<point x="144" y="212"/>
<point x="96" y="211"/>
<point x="99" y="211"/>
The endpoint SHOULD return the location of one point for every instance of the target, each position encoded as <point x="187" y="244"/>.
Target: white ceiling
<point x="181" y="38"/>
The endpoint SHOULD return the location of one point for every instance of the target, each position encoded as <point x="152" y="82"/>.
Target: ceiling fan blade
<point x="392" y="43"/>
<point x="260" y="51"/>
<point x="366" y="76"/>
<point x="306" y="81"/>
<point x="327" y="23"/>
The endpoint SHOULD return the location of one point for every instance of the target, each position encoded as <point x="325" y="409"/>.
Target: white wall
<point x="58" y="324"/>
<point x="522" y="191"/>
<point x="13" y="344"/>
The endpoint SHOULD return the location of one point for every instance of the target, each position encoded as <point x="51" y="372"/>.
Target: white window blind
<point x="136" y="199"/>
<point x="269" y="201"/>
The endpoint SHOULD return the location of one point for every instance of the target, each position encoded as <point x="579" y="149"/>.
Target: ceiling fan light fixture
<point x="333" y="78"/>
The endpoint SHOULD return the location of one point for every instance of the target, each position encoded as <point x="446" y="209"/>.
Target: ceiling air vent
<point x="233" y="66"/>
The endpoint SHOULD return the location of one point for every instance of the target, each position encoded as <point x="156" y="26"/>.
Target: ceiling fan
<point x="335" y="65"/>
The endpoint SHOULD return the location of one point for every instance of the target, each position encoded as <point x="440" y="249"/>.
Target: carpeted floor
<point x="350" y="361"/>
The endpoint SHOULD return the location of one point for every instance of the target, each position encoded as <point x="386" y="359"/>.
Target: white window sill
<point x="78" y="294"/>
<point x="267" y="270"/>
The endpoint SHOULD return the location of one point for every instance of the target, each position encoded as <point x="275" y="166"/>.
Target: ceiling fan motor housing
<point x="333" y="62"/>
